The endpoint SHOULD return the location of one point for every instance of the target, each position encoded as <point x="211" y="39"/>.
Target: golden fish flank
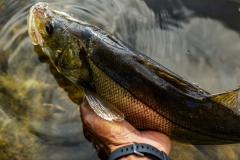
<point x="117" y="79"/>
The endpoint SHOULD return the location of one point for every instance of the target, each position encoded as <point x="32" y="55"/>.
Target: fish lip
<point x="38" y="15"/>
<point x="38" y="12"/>
<point x="32" y="30"/>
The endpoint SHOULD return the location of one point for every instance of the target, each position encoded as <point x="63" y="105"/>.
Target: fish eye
<point x="49" y="27"/>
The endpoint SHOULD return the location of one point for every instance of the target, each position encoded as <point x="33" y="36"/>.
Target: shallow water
<point x="39" y="117"/>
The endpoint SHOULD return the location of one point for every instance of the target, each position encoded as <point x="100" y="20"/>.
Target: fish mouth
<point x="38" y="15"/>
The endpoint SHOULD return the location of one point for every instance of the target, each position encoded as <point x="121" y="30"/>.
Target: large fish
<point x="117" y="80"/>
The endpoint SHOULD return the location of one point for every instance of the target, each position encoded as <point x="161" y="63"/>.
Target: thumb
<point x="100" y="125"/>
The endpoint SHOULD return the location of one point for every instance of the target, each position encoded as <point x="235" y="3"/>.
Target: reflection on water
<point x="39" y="117"/>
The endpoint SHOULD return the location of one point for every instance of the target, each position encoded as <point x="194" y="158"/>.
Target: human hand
<point x="110" y="136"/>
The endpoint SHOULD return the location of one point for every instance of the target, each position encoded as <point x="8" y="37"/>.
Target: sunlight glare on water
<point x="39" y="117"/>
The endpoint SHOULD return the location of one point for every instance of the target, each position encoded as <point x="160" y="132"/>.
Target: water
<point x="39" y="117"/>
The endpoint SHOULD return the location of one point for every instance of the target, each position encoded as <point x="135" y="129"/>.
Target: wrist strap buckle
<point x="135" y="150"/>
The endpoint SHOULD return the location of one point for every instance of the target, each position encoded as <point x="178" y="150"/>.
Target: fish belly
<point x="140" y="115"/>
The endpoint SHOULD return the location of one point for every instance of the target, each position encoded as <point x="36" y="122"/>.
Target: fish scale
<point x="134" y="110"/>
<point x="117" y="80"/>
<point x="138" y="114"/>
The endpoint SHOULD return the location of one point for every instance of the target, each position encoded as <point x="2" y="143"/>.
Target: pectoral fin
<point x="103" y="108"/>
<point x="229" y="99"/>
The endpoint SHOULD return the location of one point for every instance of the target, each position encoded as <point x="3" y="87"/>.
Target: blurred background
<point x="39" y="108"/>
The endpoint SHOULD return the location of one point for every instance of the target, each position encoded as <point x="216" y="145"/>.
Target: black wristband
<point x="140" y="149"/>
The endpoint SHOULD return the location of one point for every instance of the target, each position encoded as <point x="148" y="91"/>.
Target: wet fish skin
<point x="150" y="96"/>
<point x="190" y="111"/>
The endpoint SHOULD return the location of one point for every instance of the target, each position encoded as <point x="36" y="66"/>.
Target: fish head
<point x="55" y="32"/>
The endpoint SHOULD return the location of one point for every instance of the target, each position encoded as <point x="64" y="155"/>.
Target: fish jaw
<point x="39" y="14"/>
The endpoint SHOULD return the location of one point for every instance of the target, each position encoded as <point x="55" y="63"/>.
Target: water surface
<point x="39" y="117"/>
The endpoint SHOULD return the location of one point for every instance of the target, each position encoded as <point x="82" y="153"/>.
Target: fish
<point x="122" y="83"/>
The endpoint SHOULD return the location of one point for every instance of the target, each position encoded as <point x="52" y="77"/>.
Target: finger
<point x="94" y="139"/>
<point x="92" y="120"/>
<point x="85" y="109"/>
<point x="86" y="133"/>
<point x="111" y="135"/>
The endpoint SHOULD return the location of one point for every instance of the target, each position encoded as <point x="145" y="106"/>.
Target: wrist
<point x="139" y="151"/>
<point x="133" y="157"/>
<point x="164" y="146"/>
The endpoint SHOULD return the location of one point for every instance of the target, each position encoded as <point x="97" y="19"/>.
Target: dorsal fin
<point x="172" y="78"/>
<point x="229" y="99"/>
